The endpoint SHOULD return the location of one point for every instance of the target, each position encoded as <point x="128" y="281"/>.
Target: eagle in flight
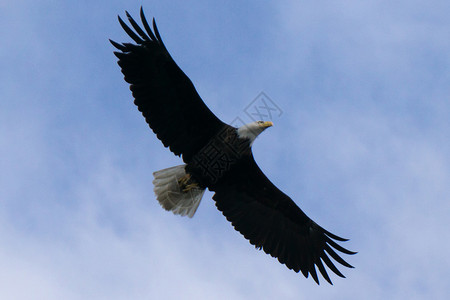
<point x="218" y="157"/>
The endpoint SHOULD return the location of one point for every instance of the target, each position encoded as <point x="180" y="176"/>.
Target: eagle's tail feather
<point x="176" y="192"/>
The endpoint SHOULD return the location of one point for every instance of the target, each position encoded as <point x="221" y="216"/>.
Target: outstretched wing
<point x="163" y="93"/>
<point x="270" y="220"/>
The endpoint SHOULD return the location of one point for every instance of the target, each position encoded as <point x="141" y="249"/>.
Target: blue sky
<point x="362" y="147"/>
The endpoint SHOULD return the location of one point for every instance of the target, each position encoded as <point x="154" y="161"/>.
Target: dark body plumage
<point x="267" y="217"/>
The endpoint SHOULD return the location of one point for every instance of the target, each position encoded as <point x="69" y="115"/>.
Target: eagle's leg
<point x="186" y="183"/>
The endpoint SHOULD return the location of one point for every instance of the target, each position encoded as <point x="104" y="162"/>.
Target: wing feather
<point x="163" y="93"/>
<point x="270" y="220"/>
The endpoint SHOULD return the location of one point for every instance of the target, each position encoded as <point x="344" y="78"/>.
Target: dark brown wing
<point x="163" y="93"/>
<point x="270" y="220"/>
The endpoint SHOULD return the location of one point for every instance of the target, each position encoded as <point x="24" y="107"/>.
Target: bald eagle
<point x="217" y="157"/>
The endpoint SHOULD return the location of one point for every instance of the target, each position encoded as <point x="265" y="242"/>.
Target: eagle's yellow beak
<point x="266" y="124"/>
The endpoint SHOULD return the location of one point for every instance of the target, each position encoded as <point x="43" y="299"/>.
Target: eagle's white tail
<point x="171" y="196"/>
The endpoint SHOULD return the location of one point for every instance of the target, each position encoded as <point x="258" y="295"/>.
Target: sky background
<point x="362" y="146"/>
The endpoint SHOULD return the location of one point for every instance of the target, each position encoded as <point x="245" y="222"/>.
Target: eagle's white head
<point x="252" y="130"/>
